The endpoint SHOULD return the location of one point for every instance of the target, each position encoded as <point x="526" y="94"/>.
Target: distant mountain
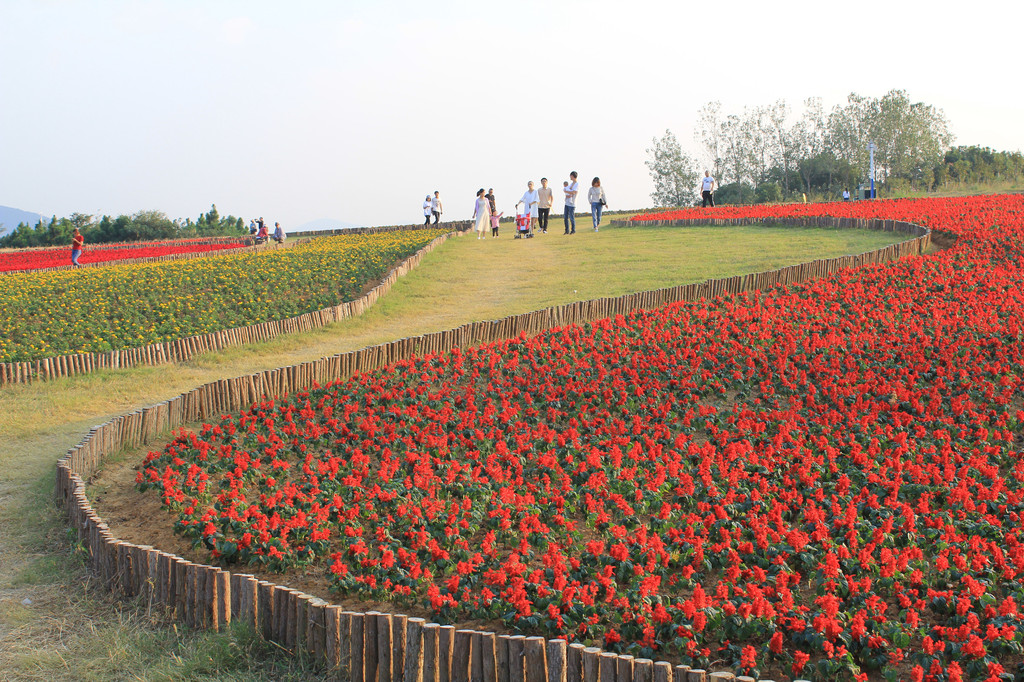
<point x="10" y="217"/>
<point x="322" y="224"/>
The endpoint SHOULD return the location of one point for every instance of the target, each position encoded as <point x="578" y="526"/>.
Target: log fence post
<point x="574" y="663"/>
<point x="462" y="654"/>
<point x="591" y="664"/>
<point x="332" y="637"/>
<point x="643" y="670"/>
<point x="431" y="652"/>
<point x="357" y="666"/>
<point x="446" y="642"/>
<point x="413" y="668"/>
<point x="662" y="671"/>
<point x="535" y="664"/>
<point x="516" y="670"/>
<point x="385" y="651"/>
<point x="502" y="668"/>
<point x="488" y="657"/>
<point x="399" y="630"/>
<point x="609" y="666"/>
<point x="370" y="653"/>
<point x="556" y="656"/>
<point x="625" y="668"/>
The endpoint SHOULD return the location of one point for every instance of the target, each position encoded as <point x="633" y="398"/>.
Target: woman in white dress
<point x="481" y="214"/>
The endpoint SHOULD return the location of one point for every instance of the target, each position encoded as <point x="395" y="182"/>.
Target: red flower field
<point x="35" y="259"/>
<point x="825" y="478"/>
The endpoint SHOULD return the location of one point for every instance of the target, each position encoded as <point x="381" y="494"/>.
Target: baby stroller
<point x="522" y="225"/>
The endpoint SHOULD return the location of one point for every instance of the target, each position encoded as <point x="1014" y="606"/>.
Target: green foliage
<point x="735" y="193"/>
<point x="975" y="164"/>
<point x="820" y="154"/>
<point x="674" y="172"/>
<point x="826" y="174"/>
<point x="141" y="226"/>
<point x="767" y="192"/>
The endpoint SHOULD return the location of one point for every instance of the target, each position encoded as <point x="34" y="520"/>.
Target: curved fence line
<point x="374" y="646"/>
<point x="178" y="350"/>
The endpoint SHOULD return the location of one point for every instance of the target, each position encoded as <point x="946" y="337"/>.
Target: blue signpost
<point x="871" y="155"/>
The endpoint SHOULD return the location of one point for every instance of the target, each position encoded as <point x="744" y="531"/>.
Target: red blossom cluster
<point x="35" y="259"/>
<point x="826" y="477"/>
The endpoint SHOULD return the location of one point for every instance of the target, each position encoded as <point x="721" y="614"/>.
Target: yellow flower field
<point x="98" y="309"/>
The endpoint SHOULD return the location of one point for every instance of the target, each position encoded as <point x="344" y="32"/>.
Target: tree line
<point x="141" y="226"/>
<point x="767" y="154"/>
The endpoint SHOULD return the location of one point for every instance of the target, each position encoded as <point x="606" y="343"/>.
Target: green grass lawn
<point x="72" y="630"/>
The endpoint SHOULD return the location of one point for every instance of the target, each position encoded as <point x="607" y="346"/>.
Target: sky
<point x="354" y="111"/>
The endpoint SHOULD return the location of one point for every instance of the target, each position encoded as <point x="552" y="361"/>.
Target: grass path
<point x="69" y="630"/>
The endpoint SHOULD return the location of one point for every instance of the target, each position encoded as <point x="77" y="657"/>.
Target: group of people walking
<point x="537" y="202"/>
<point x="258" y="229"/>
<point x="432" y="208"/>
<point x="536" y="206"/>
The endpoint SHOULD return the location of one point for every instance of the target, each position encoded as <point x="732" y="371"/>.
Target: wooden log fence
<point x="376" y="647"/>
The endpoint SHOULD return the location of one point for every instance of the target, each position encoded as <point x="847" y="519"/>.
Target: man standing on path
<point x="77" y="246"/>
<point x="545" y="198"/>
<point x="435" y="207"/>
<point x="707" y="190"/>
<point x="570" y="203"/>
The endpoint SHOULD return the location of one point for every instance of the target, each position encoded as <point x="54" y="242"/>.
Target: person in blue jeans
<point x="571" y="189"/>
<point x="77" y="246"/>
<point x="597" y="201"/>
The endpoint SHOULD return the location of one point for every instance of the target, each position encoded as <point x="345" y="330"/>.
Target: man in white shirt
<point x="570" y="189"/>
<point x="545" y="199"/>
<point x="846" y="195"/>
<point x="435" y="207"/>
<point x="707" y="190"/>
